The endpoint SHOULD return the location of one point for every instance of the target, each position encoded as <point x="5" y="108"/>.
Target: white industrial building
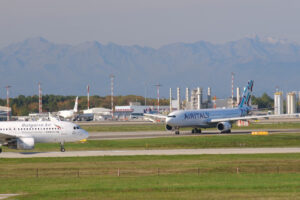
<point x="194" y="100"/>
<point x="136" y="110"/>
<point x="98" y="113"/>
<point x="3" y="113"/>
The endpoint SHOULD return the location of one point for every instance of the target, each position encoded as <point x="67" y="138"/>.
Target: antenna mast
<point x="158" y="86"/>
<point x="40" y="99"/>
<point x="112" y="77"/>
<point x="7" y="101"/>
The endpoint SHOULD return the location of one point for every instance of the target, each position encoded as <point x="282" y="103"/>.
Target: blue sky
<point x="147" y="22"/>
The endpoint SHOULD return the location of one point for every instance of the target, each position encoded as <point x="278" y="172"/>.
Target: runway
<point x="155" y="134"/>
<point x="149" y="152"/>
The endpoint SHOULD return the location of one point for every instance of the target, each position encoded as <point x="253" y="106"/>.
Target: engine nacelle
<point x="22" y="144"/>
<point x="224" y="126"/>
<point x="169" y="128"/>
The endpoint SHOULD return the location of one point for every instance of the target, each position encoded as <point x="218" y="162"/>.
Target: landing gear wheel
<point x="196" y="130"/>
<point x="62" y="148"/>
<point x="177" y="132"/>
<point x="0" y="150"/>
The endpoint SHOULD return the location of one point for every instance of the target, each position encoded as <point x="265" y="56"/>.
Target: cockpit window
<point x="76" y="127"/>
<point x="172" y="116"/>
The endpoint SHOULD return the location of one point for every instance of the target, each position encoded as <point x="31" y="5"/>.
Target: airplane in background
<point x="68" y="114"/>
<point x="222" y="119"/>
<point x="23" y="135"/>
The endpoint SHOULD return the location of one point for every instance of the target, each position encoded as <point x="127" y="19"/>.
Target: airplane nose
<point x="86" y="134"/>
<point x="83" y="134"/>
<point x="169" y="121"/>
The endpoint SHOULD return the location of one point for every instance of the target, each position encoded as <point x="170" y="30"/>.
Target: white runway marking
<point x="149" y="152"/>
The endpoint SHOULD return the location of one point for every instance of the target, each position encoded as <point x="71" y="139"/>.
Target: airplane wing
<point x="5" y="137"/>
<point x="253" y="117"/>
<point x="156" y="116"/>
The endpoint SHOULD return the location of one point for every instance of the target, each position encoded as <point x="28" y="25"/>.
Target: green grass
<point x="124" y="128"/>
<point x="184" y="142"/>
<point x="161" y="127"/>
<point x="263" y="176"/>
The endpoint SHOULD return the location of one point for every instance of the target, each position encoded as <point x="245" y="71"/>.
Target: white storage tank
<point x="291" y="106"/>
<point x="278" y="103"/>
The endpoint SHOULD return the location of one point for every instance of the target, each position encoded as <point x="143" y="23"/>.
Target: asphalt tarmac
<point x="155" y="134"/>
<point x="149" y="152"/>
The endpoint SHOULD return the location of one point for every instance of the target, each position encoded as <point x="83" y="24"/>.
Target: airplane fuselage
<point x="44" y="131"/>
<point x="202" y="118"/>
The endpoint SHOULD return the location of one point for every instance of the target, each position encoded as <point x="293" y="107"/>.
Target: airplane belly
<point x="189" y="123"/>
<point x="48" y="137"/>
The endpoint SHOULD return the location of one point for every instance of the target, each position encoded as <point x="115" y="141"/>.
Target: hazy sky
<point x="147" y="22"/>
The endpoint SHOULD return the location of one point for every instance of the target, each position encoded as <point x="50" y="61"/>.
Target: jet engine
<point x="22" y="143"/>
<point x="224" y="127"/>
<point x="169" y="128"/>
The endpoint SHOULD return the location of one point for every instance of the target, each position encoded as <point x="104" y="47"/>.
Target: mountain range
<point x="68" y="69"/>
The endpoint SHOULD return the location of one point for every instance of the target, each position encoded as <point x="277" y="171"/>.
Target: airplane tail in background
<point x="246" y="95"/>
<point x="76" y="105"/>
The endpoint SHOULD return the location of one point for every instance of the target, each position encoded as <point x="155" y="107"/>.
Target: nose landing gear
<point x="196" y="130"/>
<point x="62" y="148"/>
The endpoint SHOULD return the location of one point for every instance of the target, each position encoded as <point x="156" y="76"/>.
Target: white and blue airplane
<point x="68" y="114"/>
<point x="222" y="119"/>
<point x="23" y="135"/>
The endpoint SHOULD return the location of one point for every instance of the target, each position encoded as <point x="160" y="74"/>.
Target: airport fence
<point x="88" y="172"/>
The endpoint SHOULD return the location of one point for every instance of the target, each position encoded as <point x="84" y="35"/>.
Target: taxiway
<point x="150" y="152"/>
<point x="155" y="134"/>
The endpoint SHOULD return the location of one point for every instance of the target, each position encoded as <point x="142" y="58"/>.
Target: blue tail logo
<point x="247" y="94"/>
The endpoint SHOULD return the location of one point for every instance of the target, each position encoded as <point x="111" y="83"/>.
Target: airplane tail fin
<point x="76" y="105"/>
<point x="247" y="94"/>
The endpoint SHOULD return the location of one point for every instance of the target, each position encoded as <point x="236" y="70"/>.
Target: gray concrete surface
<point x="149" y="152"/>
<point x="154" y="134"/>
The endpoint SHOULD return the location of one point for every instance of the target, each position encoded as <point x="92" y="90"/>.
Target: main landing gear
<point x="62" y="148"/>
<point x="0" y="150"/>
<point x="196" y="130"/>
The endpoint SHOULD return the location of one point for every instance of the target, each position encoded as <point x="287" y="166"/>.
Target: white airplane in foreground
<point x="67" y="114"/>
<point x="24" y="134"/>
<point x="222" y="119"/>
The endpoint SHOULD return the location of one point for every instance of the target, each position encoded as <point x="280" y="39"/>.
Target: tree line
<point x="23" y="105"/>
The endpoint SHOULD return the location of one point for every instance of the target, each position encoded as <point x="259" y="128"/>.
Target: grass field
<point x="161" y="127"/>
<point x="187" y="142"/>
<point x="263" y="176"/>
